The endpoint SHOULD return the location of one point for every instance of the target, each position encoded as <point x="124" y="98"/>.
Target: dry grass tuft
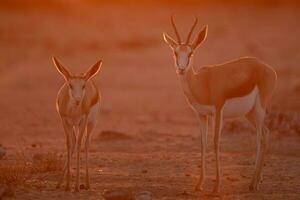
<point x="14" y="174"/>
<point x="48" y="162"/>
<point x="22" y="169"/>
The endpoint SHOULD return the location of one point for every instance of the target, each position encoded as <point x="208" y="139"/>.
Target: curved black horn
<point x="175" y="29"/>
<point x="191" y="31"/>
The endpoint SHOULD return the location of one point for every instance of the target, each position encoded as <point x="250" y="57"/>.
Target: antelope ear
<point x="61" y="69"/>
<point x="200" y="37"/>
<point x="93" y="70"/>
<point x="170" y="41"/>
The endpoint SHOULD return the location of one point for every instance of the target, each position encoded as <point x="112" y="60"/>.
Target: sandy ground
<point x="159" y="150"/>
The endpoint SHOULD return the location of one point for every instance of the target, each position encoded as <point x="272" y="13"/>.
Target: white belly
<point x="240" y="106"/>
<point x="235" y="107"/>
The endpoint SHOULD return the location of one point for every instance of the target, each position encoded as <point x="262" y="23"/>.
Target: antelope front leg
<point x="68" y="131"/>
<point x="82" y="127"/>
<point x="218" y="127"/>
<point x="73" y="143"/>
<point x="89" y="129"/>
<point x="203" y="131"/>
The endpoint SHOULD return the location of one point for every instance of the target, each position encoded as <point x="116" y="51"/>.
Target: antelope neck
<point x="183" y="76"/>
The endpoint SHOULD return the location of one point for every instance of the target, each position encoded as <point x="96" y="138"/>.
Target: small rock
<point x="145" y="195"/>
<point x="118" y="195"/>
<point x="144" y="171"/>
<point x="2" y="152"/>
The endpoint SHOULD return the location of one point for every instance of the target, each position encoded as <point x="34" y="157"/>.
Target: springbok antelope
<point x="242" y="87"/>
<point x="77" y="103"/>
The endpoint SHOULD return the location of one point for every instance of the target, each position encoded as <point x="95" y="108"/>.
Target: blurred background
<point x="141" y="95"/>
<point x="138" y="76"/>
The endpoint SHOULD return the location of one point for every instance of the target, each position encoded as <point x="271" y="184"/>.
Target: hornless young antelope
<point x="77" y="103"/>
<point x="242" y="87"/>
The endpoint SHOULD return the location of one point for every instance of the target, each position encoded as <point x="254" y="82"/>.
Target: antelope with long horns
<point x="242" y="87"/>
<point x="77" y="103"/>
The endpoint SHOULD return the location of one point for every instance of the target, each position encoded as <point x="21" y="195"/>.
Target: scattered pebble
<point x="145" y="195"/>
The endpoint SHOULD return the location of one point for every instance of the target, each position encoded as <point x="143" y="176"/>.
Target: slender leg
<point x="261" y="149"/>
<point x="252" y="119"/>
<point x="253" y="185"/>
<point x="82" y="127"/>
<point x="266" y="133"/>
<point x="73" y="144"/>
<point x="203" y="121"/>
<point x="265" y="145"/>
<point x="68" y="131"/>
<point x="90" y="127"/>
<point x="218" y="127"/>
<point x="262" y="136"/>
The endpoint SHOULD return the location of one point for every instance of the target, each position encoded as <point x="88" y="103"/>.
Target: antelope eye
<point x="70" y="86"/>
<point x="83" y="86"/>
